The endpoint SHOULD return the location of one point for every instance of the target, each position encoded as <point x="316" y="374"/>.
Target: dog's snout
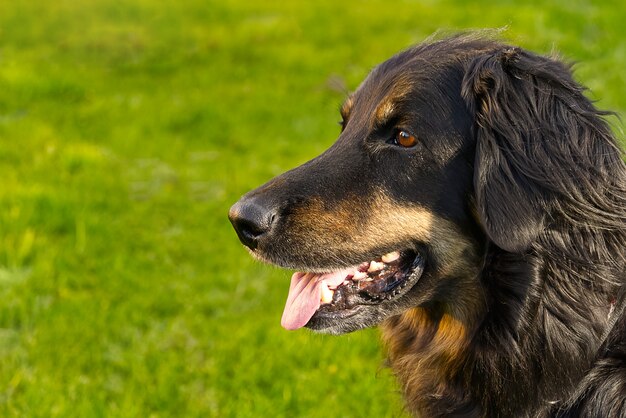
<point x="251" y="220"/>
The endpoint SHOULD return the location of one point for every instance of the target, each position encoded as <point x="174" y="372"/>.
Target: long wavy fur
<point x="550" y="190"/>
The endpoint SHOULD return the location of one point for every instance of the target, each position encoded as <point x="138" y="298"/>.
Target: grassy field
<point x="128" y="128"/>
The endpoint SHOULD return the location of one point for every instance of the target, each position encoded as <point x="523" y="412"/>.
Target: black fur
<point x="529" y="175"/>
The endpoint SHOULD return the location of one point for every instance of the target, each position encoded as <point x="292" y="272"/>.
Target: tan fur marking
<point x="353" y="224"/>
<point x="346" y="107"/>
<point x="389" y="103"/>
<point x="384" y="111"/>
<point x="356" y="225"/>
<point x="425" y="350"/>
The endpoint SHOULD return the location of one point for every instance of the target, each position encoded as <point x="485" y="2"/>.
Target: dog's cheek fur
<point x="343" y="233"/>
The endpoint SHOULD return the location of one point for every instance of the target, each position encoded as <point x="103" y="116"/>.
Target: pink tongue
<point x="304" y="296"/>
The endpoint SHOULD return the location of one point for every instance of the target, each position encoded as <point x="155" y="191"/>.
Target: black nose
<point x="251" y="220"/>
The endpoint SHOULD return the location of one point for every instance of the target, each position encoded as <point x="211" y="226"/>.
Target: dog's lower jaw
<point x="320" y="326"/>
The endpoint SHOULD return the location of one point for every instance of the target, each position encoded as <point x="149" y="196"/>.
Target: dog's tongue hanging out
<point x="305" y="294"/>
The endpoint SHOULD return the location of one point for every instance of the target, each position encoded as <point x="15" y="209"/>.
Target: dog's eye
<point x="404" y="139"/>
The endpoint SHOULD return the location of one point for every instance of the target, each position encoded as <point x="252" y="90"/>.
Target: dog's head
<point x="437" y="157"/>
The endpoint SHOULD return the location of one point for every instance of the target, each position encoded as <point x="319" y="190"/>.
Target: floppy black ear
<point x="528" y="113"/>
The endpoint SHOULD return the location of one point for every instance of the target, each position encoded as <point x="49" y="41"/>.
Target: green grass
<point x="128" y="128"/>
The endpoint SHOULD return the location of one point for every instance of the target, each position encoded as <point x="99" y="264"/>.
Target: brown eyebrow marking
<point x="385" y="110"/>
<point x="389" y="104"/>
<point x="346" y="107"/>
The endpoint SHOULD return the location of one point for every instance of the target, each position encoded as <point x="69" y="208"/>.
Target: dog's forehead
<point x="408" y="74"/>
<point x="380" y="94"/>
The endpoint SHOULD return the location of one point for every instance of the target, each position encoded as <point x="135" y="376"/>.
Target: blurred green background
<point x="128" y="128"/>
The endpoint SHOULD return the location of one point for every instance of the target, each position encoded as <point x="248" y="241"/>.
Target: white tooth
<point x="359" y="275"/>
<point x="390" y="257"/>
<point x="327" y="294"/>
<point x="375" y="266"/>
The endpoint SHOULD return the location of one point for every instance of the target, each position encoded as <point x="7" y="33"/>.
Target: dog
<point x="473" y="206"/>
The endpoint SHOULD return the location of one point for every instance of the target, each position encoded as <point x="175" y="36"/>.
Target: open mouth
<point x="340" y="293"/>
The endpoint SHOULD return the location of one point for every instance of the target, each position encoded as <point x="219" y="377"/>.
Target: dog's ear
<point x="523" y="105"/>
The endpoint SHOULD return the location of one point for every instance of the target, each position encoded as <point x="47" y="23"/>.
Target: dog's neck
<point x="426" y="349"/>
<point x="467" y="355"/>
